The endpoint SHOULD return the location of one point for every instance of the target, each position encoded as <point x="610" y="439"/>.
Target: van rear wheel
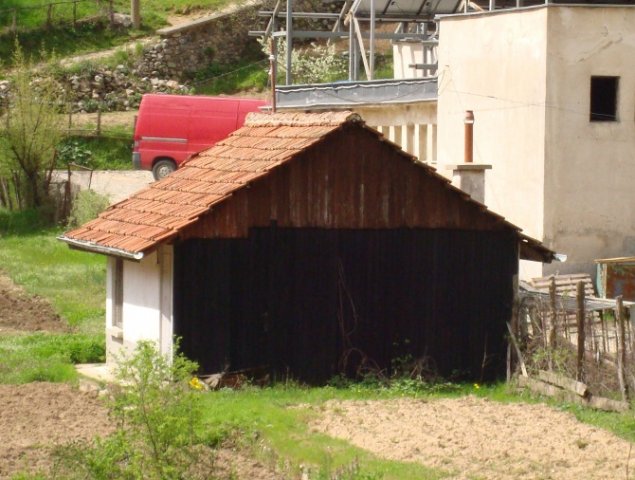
<point x="163" y="168"/>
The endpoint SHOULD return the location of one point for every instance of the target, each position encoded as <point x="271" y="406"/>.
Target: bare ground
<point x="37" y="417"/>
<point x="476" y="438"/>
<point x="21" y="312"/>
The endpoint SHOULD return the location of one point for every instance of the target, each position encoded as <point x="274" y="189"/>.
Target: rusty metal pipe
<point x="469" y="136"/>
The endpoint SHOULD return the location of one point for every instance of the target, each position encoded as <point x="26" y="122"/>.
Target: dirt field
<point x="479" y="439"/>
<point x="36" y="416"/>
<point x="22" y="312"/>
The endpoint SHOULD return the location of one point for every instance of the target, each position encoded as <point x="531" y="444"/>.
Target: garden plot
<point x="21" y="312"/>
<point x="477" y="438"/>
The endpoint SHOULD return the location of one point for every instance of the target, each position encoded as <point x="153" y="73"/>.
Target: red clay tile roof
<point x="156" y="214"/>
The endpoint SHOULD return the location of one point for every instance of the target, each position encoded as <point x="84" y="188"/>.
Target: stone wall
<point x="186" y="49"/>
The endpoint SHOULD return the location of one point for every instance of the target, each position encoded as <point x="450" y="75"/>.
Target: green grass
<point x="248" y="75"/>
<point x="73" y="281"/>
<point x="263" y="414"/>
<point x="65" y="40"/>
<point x="47" y="357"/>
<point x="106" y="152"/>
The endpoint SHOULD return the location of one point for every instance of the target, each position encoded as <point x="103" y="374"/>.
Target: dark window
<point x="604" y="99"/>
<point x="117" y="294"/>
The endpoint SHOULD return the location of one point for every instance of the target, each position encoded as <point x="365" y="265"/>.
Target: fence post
<point x="554" y="322"/>
<point x="49" y="16"/>
<point x="135" y="14"/>
<point x="621" y="351"/>
<point x="98" y="131"/>
<point x="580" y="321"/>
<point x="75" y="14"/>
<point x="14" y="21"/>
<point x="111" y="13"/>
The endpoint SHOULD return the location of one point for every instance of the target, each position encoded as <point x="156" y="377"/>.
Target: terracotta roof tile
<point x="157" y="213"/>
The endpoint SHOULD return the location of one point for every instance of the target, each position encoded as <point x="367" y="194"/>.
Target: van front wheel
<point x="163" y="168"/>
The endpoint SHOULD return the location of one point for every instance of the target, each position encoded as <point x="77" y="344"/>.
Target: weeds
<point x="87" y="204"/>
<point x="158" y="416"/>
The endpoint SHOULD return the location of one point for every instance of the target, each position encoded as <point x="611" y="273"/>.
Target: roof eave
<point x="532" y="249"/>
<point x="96" y="248"/>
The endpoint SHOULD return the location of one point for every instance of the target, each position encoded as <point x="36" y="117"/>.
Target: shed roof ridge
<point x="324" y="119"/>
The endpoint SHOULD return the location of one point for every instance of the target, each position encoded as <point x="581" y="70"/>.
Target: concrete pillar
<point x="394" y="134"/>
<point x="407" y="138"/>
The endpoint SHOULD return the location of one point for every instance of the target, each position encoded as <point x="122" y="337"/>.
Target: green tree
<point x="31" y="131"/>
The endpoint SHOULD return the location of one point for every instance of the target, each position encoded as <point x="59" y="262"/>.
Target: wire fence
<point x="51" y="14"/>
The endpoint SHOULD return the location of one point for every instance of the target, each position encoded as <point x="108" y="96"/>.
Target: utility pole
<point x="135" y="13"/>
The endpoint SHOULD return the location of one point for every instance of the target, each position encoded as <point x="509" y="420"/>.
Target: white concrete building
<point x="552" y="88"/>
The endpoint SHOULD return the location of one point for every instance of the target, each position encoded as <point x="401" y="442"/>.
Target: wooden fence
<point x="61" y="12"/>
<point x="567" y="342"/>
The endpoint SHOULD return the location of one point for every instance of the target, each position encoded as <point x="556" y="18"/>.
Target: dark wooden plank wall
<point x="283" y="297"/>
<point x="349" y="180"/>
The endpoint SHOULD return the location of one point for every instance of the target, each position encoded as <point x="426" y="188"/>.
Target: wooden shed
<point x="308" y="245"/>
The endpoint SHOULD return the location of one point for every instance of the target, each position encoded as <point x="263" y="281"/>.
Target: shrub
<point x="86" y="206"/>
<point x="156" y="409"/>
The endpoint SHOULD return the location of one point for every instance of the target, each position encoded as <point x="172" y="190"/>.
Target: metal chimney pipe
<point x="469" y="136"/>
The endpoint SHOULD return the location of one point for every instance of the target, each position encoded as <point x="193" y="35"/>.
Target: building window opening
<point x="117" y="294"/>
<point x="604" y="99"/>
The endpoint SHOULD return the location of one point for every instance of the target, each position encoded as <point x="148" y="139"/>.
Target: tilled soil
<point x="476" y="438"/>
<point x="22" y="312"/>
<point x="38" y="416"/>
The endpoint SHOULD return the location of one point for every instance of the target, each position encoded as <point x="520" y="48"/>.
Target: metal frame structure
<point x="358" y="22"/>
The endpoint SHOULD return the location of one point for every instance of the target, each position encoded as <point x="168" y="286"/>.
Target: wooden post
<point x="580" y="319"/>
<point x="75" y="14"/>
<point x="14" y="21"/>
<point x="111" y="13"/>
<point x="49" y="15"/>
<point x="98" y="131"/>
<point x="135" y="14"/>
<point x="554" y="322"/>
<point x="70" y="117"/>
<point x="621" y="351"/>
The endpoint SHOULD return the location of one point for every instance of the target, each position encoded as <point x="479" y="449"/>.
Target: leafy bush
<point x="86" y="206"/>
<point x="316" y="64"/>
<point x="156" y="410"/>
<point x="71" y="150"/>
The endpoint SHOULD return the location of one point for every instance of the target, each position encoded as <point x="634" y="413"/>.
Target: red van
<point x="171" y="128"/>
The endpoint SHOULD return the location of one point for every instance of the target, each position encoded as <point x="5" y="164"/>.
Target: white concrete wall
<point x="494" y="64"/>
<point x="147" y="303"/>
<point x="405" y="54"/>
<point x="590" y="166"/>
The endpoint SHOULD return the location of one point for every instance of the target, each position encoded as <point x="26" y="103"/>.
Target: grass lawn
<point x="65" y="40"/>
<point x="73" y="281"/>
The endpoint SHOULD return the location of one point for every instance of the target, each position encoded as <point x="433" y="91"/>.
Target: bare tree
<point x="31" y="133"/>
